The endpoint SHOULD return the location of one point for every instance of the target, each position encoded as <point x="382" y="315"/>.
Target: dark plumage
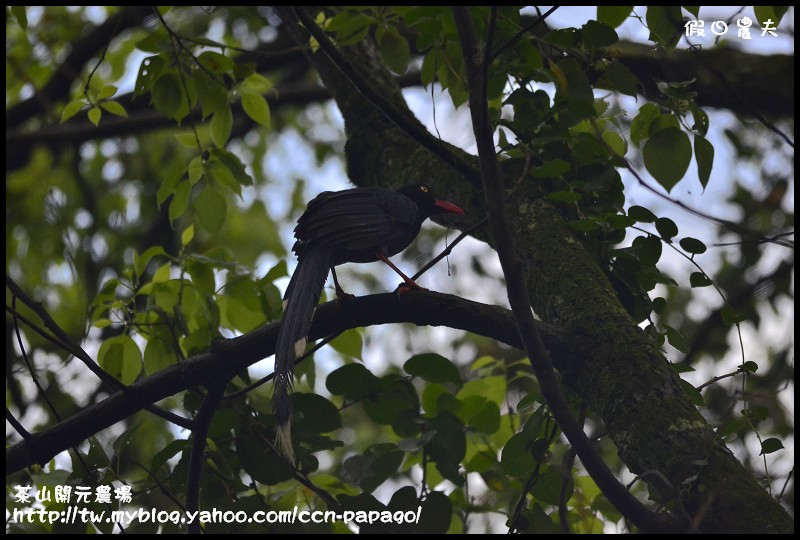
<point x="355" y="225"/>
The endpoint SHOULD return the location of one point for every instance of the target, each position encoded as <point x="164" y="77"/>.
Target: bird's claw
<point x="342" y="298"/>
<point x="405" y="287"/>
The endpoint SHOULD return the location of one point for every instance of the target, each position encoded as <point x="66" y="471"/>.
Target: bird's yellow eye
<point x="423" y="189"/>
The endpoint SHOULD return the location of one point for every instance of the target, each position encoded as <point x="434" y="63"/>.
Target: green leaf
<point x="256" y="107"/>
<point x="180" y="201"/>
<point x="121" y="357"/>
<point x="640" y="126"/>
<point x="693" y="393"/>
<point x="619" y="222"/>
<point x="766" y="13"/>
<point x="780" y="11"/>
<point x="586" y="225"/>
<point x="667" y="155"/>
<point x="106" y="91"/>
<point x="615" y="142"/>
<point x="162" y="274"/>
<point x="759" y="414"/>
<point x="394" y="49"/>
<point x="573" y="91"/>
<point x="196" y="170"/>
<point x="516" y="458"/>
<point x="141" y="262"/>
<point x="641" y="214"/>
<point x="114" y="107"/>
<point x="149" y="71"/>
<point x="730" y="317"/>
<point x="749" y="366"/>
<point x="613" y="16"/>
<point x="701" y="120"/>
<point x="434" y="368"/>
<point x="693" y="245"/>
<point x="448" y="446"/>
<point x="372" y="468"/>
<point x="529" y="400"/>
<point x="316" y="414"/>
<point x="771" y="445"/>
<point x="676" y="340"/>
<point x="597" y="34"/>
<point x="348" y="343"/>
<point x="694" y="10"/>
<point x="429" y="66"/>
<point x="168" y="452"/>
<point x="704" y="156"/>
<point x="212" y="93"/>
<point x="699" y="279"/>
<point x="223" y="176"/>
<point x="233" y="164"/>
<point x="263" y="466"/>
<point x="435" y="515"/>
<point x="187" y="235"/>
<point x="564" y="37"/>
<point x="71" y="109"/>
<point x="648" y="249"/>
<point x="353" y="381"/>
<point x="202" y="275"/>
<point x="551" y="169"/>
<point x="665" y="24"/>
<point x="154" y="43"/>
<point x="680" y="367"/>
<point x="623" y="79"/>
<point x="221" y="125"/>
<point x="349" y="26"/>
<point x="187" y="140"/>
<point x="21" y="16"/>
<point x="492" y="388"/>
<point x="666" y="228"/>
<point x="216" y="62"/>
<point x="486" y="419"/>
<point x="397" y="396"/>
<point x="158" y="355"/>
<point x="548" y="487"/>
<point x="94" y="115"/>
<point x="167" y="95"/>
<point x="211" y="208"/>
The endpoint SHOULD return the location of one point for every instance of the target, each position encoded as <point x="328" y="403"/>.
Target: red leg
<point x="408" y="281"/>
<point x="340" y="294"/>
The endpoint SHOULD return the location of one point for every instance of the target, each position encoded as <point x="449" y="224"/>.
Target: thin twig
<point x="199" y="435"/>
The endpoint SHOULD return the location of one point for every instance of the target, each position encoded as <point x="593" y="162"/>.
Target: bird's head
<point x="429" y="203"/>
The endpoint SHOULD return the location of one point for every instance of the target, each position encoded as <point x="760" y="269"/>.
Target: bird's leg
<point x="341" y="296"/>
<point x="408" y="282"/>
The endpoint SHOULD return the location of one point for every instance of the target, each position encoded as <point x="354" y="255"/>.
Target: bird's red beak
<point x="447" y="207"/>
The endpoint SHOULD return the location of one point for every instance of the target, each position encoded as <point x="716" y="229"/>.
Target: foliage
<point x="150" y="246"/>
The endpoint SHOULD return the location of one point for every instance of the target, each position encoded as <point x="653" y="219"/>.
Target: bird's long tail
<point x="300" y="301"/>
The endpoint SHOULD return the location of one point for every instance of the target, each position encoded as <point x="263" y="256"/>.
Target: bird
<point x="360" y="225"/>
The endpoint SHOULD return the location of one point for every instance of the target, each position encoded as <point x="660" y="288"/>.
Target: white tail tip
<point x="283" y="442"/>
<point x="300" y="347"/>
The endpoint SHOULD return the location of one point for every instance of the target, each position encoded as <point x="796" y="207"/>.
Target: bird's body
<point x="355" y="225"/>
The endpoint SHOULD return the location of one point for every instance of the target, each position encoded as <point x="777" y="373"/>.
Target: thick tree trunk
<point x="621" y="374"/>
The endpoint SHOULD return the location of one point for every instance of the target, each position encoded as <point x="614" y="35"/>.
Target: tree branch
<point x="229" y="357"/>
<point x="74" y="348"/>
<point x="197" y="458"/>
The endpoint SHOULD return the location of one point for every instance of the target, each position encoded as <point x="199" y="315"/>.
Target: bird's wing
<point x="359" y="219"/>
